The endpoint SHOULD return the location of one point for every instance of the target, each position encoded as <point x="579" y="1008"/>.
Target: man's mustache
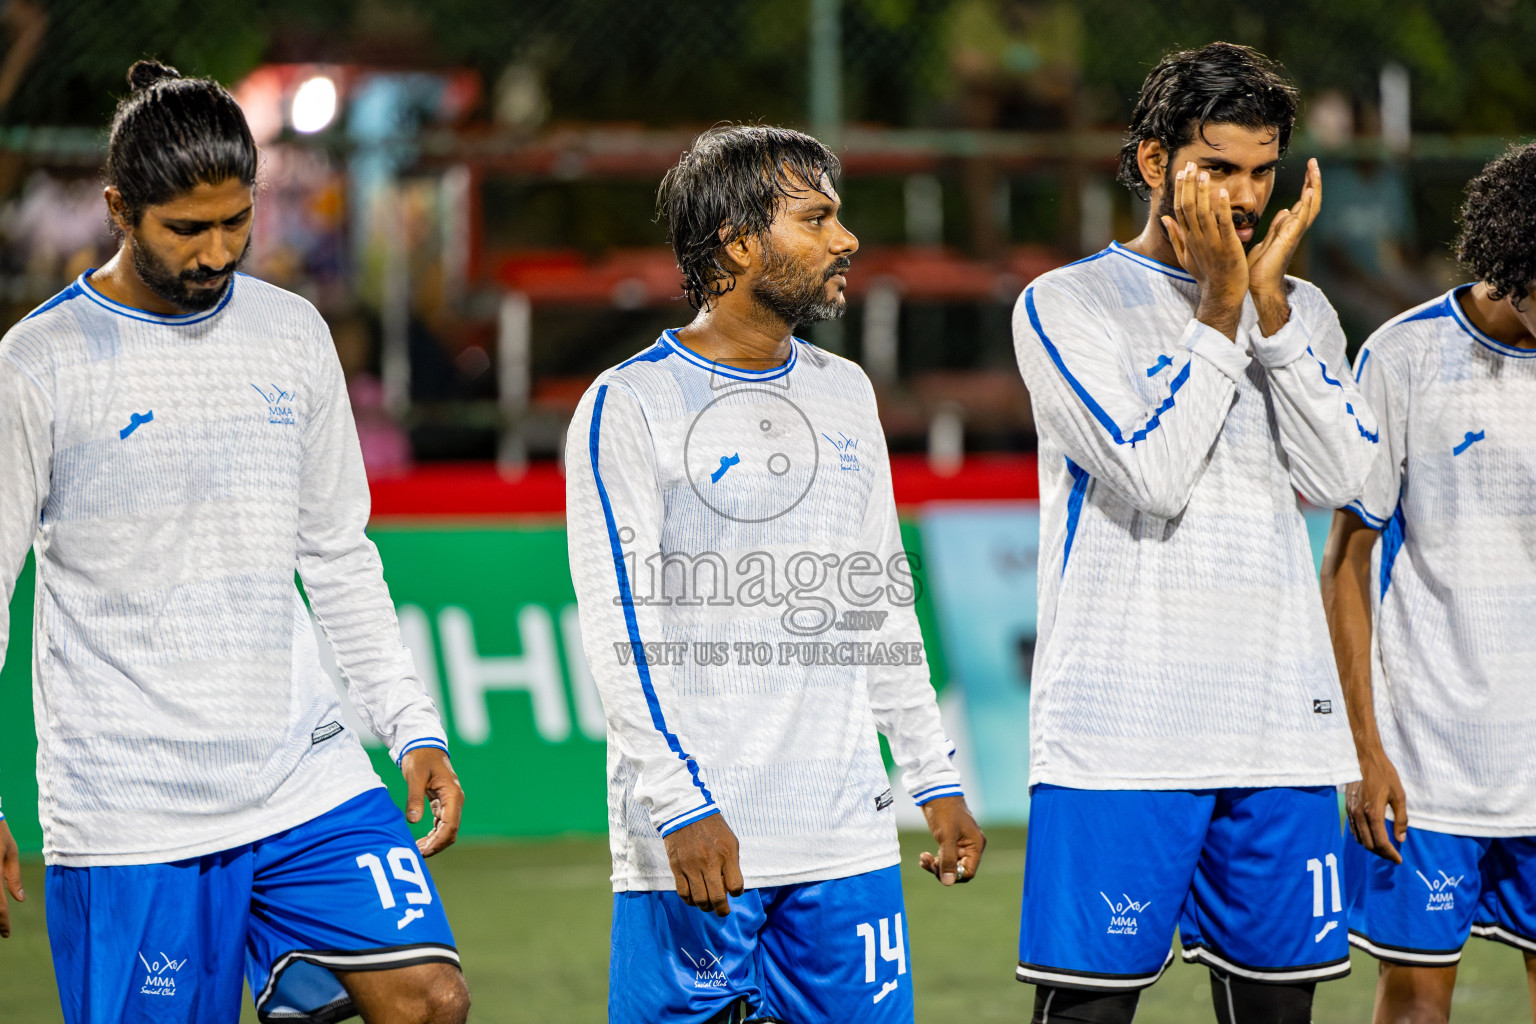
<point x="202" y="275"/>
<point x="1245" y="219"/>
<point x="839" y="266"/>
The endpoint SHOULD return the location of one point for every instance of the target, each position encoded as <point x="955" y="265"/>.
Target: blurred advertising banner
<point x="489" y="614"/>
<point x="982" y="560"/>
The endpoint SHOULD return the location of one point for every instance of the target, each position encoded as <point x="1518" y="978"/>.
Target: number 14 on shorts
<point x="405" y="866"/>
<point x="896" y="953"/>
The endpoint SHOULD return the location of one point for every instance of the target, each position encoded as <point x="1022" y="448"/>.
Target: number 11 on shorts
<point x="896" y="953"/>
<point x="1315" y="866"/>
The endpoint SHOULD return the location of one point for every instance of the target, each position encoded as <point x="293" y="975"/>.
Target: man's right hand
<point x="706" y="864"/>
<point x="1366" y="801"/>
<point x="1206" y="243"/>
<point x="10" y="866"/>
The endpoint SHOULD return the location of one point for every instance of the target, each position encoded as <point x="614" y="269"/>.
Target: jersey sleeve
<point x="1150" y="452"/>
<point x="1384" y="386"/>
<point x="343" y="576"/>
<point x="613" y="503"/>
<point x="26" y="461"/>
<point x="901" y="695"/>
<point x="1328" y="433"/>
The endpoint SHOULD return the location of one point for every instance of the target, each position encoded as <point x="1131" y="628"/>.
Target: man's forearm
<point x="1347" y="603"/>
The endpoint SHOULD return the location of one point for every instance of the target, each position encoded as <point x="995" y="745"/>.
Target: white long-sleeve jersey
<point x="1181" y="634"/>
<point x="1453" y="666"/>
<point x="171" y="473"/>
<point x="747" y="613"/>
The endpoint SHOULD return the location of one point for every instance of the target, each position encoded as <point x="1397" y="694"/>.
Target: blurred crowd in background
<point x="465" y="188"/>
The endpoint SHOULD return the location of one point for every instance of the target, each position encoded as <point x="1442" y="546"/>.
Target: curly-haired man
<point x="1440" y="551"/>
<point x="1184" y="752"/>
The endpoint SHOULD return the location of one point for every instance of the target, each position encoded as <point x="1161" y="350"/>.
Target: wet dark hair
<point x="1220" y="83"/>
<point x="171" y="134"/>
<point x="731" y="182"/>
<point x="1497" y="242"/>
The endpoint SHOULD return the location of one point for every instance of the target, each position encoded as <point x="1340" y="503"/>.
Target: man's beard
<point x="1239" y="219"/>
<point x="173" y="287"/>
<point x="795" y="297"/>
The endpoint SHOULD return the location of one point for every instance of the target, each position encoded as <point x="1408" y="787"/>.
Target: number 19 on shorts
<point x="405" y="866"/>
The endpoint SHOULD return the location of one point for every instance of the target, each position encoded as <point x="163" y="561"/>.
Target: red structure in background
<point x="477" y="491"/>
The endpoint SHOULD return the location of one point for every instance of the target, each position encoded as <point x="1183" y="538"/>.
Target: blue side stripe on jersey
<point x="72" y="292"/>
<point x="1093" y="406"/>
<point x="1373" y="438"/>
<point x="1391" y="546"/>
<point x="1365" y="354"/>
<point x="1080" y="480"/>
<point x="642" y="665"/>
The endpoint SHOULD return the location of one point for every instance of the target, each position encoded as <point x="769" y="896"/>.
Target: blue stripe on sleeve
<point x="1365" y="517"/>
<point x="1323" y="368"/>
<point x="687" y="818"/>
<point x="642" y="665"/>
<point x="1365" y="354"/>
<point x="1098" y="411"/>
<point x="1080" y="480"/>
<point x="428" y="741"/>
<point x="937" y="792"/>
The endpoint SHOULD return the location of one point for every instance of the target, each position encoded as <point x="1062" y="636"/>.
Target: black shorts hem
<point x="1498" y="933"/>
<point x="1404" y="956"/>
<point x="1328" y="970"/>
<point x="382" y="958"/>
<point x="1088" y="981"/>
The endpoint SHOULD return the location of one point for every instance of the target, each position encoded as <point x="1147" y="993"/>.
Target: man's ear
<point x="117" y="210"/>
<point x="1152" y="160"/>
<point x="737" y="252"/>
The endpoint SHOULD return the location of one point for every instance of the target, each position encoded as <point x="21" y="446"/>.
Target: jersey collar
<point x="1151" y="264"/>
<point x="144" y="315"/>
<point x="669" y="338"/>
<point x="1453" y="300"/>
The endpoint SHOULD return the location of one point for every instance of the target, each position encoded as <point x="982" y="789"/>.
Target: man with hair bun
<point x="176" y="442"/>
<point x="1185" y="737"/>
<point x="1430" y="583"/>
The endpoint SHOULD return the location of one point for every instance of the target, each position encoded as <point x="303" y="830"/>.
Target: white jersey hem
<point x="1071" y="780"/>
<point x="826" y="874"/>
<point x="257" y="830"/>
<point x="1424" y="822"/>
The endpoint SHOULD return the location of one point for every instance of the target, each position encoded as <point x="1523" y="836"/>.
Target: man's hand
<point x="10" y="866"/>
<point x="1365" y="802"/>
<point x="1206" y="243"/>
<point x="706" y="864"/>
<point x="1267" y="260"/>
<point x="960" y="840"/>
<point x="430" y="776"/>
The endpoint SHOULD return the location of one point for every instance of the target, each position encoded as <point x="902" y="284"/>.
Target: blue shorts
<point x="812" y="953"/>
<point x="1448" y="887"/>
<point x="1249" y="876"/>
<point x="171" y="943"/>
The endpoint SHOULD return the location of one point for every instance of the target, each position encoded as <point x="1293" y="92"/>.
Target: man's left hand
<point x="1268" y="260"/>
<point x="960" y="840"/>
<point x="430" y="776"/>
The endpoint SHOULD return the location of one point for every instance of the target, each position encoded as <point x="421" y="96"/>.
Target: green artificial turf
<point x="531" y="920"/>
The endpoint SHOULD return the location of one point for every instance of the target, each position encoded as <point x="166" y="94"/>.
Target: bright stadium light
<point x="314" y="105"/>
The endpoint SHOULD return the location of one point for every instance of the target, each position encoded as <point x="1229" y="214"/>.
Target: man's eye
<point x="187" y="232"/>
